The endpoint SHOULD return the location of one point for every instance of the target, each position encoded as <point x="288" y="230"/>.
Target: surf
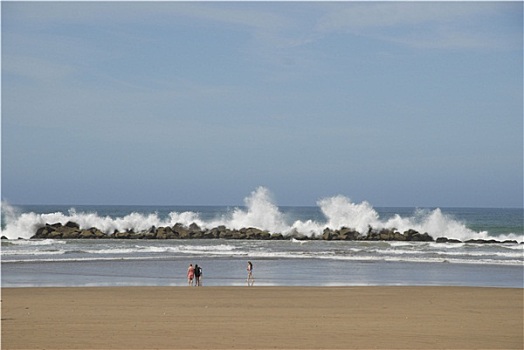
<point x="260" y="211"/>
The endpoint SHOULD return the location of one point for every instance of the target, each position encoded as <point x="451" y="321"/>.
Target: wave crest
<point x="260" y="212"/>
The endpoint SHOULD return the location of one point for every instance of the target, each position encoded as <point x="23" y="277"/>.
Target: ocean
<point x="291" y="262"/>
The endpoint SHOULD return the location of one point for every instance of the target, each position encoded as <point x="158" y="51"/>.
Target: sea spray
<point x="261" y="212"/>
<point x="340" y="211"/>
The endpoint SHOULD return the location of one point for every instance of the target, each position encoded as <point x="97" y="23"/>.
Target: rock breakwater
<point x="72" y="230"/>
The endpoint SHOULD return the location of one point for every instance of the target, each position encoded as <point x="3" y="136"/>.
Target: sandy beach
<point x="262" y="318"/>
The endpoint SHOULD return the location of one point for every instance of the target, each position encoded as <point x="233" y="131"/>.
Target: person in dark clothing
<point x="198" y="276"/>
<point x="250" y="278"/>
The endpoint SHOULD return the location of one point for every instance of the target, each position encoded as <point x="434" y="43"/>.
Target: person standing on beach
<point x="250" y="278"/>
<point x="198" y="276"/>
<point x="190" y="274"/>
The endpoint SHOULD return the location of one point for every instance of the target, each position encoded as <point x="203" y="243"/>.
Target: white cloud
<point x="420" y="24"/>
<point x="34" y="68"/>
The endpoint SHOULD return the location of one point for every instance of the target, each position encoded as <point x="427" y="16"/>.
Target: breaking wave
<point x="261" y="212"/>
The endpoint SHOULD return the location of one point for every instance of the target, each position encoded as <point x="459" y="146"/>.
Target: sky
<point x="200" y="103"/>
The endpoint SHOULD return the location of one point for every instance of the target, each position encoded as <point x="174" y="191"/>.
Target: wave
<point x="357" y="255"/>
<point x="260" y="212"/>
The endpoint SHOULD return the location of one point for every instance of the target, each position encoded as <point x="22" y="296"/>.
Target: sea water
<point x="108" y="262"/>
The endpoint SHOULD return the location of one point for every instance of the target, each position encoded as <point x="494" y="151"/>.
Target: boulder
<point x="482" y="241"/>
<point x="328" y="234"/>
<point x="447" y="240"/>
<point x="347" y="233"/>
<point x="277" y="236"/>
<point x="73" y="225"/>
<point x="399" y="237"/>
<point x="415" y="236"/>
<point x="86" y="234"/>
<point x="122" y="235"/>
<point x="194" y="228"/>
<point x="180" y="231"/>
<point x="164" y="233"/>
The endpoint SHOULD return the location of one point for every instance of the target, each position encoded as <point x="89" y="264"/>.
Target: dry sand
<point x="262" y="318"/>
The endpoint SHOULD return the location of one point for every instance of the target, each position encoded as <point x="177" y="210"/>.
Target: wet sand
<point x="262" y="318"/>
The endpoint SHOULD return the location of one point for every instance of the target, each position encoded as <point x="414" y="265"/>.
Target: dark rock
<point x="225" y="234"/>
<point x="194" y="228"/>
<point x="71" y="233"/>
<point x="346" y="233"/>
<point x="482" y="241"/>
<point x="399" y="237"/>
<point x="386" y="235"/>
<point x="410" y="233"/>
<point x="42" y="232"/>
<point x="71" y="224"/>
<point x="86" y="234"/>
<point x="122" y="235"/>
<point x="265" y="235"/>
<point x="328" y="234"/>
<point x="164" y="233"/>
<point x="415" y="236"/>
<point x="180" y="231"/>
<point x="447" y="240"/>
<point x="150" y="234"/>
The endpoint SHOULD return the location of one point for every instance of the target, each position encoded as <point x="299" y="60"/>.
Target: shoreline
<point x="385" y="317"/>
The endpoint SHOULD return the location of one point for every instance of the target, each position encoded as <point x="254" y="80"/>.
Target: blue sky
<point x="397" y="104"/>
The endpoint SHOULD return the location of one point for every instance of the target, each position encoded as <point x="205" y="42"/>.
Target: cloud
<point x="34" y="69"/>
<point x="421" y="24"/>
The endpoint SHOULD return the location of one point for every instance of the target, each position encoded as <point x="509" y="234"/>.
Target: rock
<point x="328" y="234"/>
<point x="482" y="241"/>
<point x="447" y="240"/>
<point x="399" y="237"/>
<point x="3" y="237"/>
<point x="150" y="234"/>
<point x="197" y="234"/>
<point x="87" y="234"/>
<point x="347" y="233"/>
<point x="194" y="228"/>
<point x="72" y="230"/>
<point x="386" y="235"/>
<point x="425" y="237"/>
<point x="180" y="231"/>
<point x="164" y="233"/>
<point x="415" y="236"/>
<point x="226" y="234"/>
<point x="71" y="234"/>
<point x="122" y="235"/>
<point x="42" y="232"/>
<point x="265" y="235"/>
<point x="73" y="225"/>
<point x="410" y="233"/>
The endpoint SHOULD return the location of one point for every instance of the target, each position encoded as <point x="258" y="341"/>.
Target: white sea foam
<point x="260" y="212"/>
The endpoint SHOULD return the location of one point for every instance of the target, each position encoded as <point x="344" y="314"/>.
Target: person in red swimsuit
<point x="190" y="274"/>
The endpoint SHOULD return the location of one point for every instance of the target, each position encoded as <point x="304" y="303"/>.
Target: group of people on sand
<point x="194" y="275"/>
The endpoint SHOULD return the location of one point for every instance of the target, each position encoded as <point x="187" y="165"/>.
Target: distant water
<point x="290" y="262"/>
